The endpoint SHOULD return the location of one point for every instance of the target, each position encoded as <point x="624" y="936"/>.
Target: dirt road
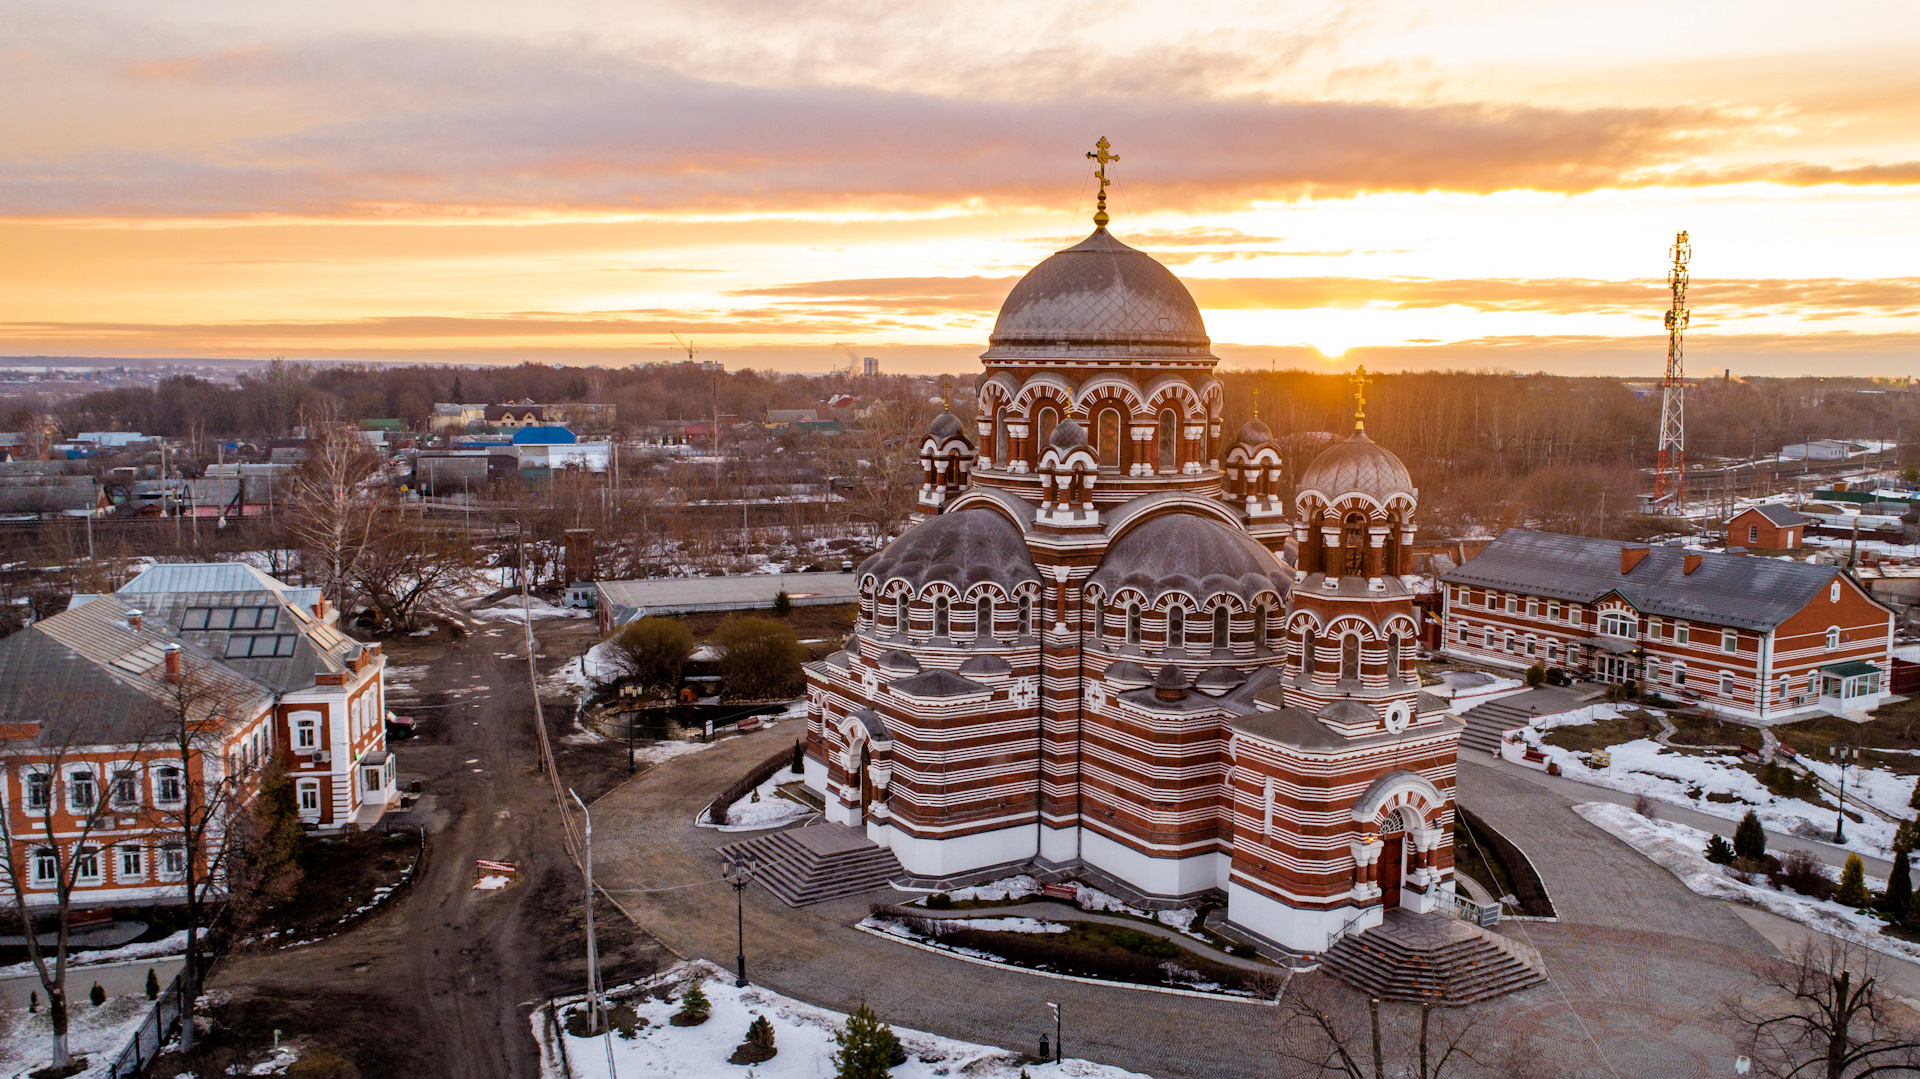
<point x="442" y="984"/>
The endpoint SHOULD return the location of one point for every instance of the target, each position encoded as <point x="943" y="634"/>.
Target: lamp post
<point x="740" y="876"/>
<point x="1056" y="1030"/>
<point x="1840" y="814"/>
<point x="593" y="945"/>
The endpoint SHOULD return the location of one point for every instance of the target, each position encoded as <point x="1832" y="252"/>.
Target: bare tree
<point x="881" y="475"/>
<point x="1824" y="1013"/>
<point x="1326" y="1029"/>
<point x="409" y="562"/>
<point x="331" y="512"/>
<point x="49" y="840"/>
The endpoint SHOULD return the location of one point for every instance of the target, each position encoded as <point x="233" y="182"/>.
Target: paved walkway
<point x="1639" y="964"/>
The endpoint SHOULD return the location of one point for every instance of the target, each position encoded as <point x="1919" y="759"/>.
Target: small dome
<point x="961" y="549"/>
<point x="1169" y="684"/>
<point x="947" y="425"/>
<point x="1129" y="675"/>
<point x="1067" y="436"/>
<point x="1099" y="292"/>
<point x="896" y="660"/>
<point x="1217" y="680"/>
<point x="985" y="665"/>
<point x="1253" y="433"/>
<point x="1357" y="466"/>
<point x="1200" y="556"/>
<point x="1346" y="713"/>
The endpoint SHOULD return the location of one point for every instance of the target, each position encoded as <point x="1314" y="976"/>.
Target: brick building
<point x="1766" y="527"/>
<point x="1758" y="638"/>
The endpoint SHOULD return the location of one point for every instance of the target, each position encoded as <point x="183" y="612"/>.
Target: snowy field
<point x="803" y="1036"/>
<point x="1686" y="778"/>
<point x="97" y="1034"/>
<point x="1681" y="851"/>
<point x="763" y="807"/>
<point x="514" y="611"/>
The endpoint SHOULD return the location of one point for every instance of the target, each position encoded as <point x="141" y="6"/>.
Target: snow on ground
<point x="511" y="611"/>
<point x="1679" y="850"/>
<point x="1881" y="788"/>
<point x="1006" y="888"/>
<point x="1094" y="899"/>
<point x="152" y="949"/>
<point x="492" y="882"/>
<point x="1469" y="689"/>
<point x="601" y="665"/>
<point x="665" y="751"/>
<point x="1643" y="766"/>
<point x="803" y="1035"/>
<point x="97" y="1034"/>
<point x="771" y="810"/>
<point x="1579" y="717"/>
<point x="1007" y="925"/>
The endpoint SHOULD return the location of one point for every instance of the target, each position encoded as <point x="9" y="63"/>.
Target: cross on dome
<point x="1360" y="381"/>
<point x="1101" y="152"/>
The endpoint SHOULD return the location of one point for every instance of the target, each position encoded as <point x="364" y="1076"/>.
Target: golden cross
<point x="1256" y="404"/>
<point x="1360" y="381"/>
<point x="946" y="395"/>
<point x="1102" y="152"/>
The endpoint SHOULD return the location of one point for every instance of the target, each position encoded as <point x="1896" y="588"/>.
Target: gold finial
<point x="1102" y="152"/>
<point x="946" y="395"/>
<point x="1256" y="404"/>
<point x="1360" y="381"/>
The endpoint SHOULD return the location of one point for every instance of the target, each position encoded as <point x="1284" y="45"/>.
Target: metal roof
<point x="214" y="577"/>
<point x="1099" y="291"/>
<point x="1849" y="668"/>
<point x="1774" y="512"/>
<point x="682" y="595"/>
<point x="1725" y="590"/>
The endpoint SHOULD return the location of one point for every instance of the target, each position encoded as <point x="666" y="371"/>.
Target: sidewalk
<point x="118" y="979"/>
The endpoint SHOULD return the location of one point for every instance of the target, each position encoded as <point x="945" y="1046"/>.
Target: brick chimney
<point x="1692" y="562"/>
<point x="1631" y="557"/>
<point x="173" y="664"/>
<point x="133" y="619"/>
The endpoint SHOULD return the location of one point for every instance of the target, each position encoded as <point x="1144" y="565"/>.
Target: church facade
<point x="1111" y="649"/>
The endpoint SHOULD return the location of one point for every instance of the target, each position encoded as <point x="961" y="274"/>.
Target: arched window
<point x="1309" y="652"/>
<point x="1043" y="430"/>
<point x="1353" y="545"/>
<point x="983" y="619"/>
<point x="1133" y="623"/>
<point x="1393" y="658"/>
<point x="1169" y="448"/>
<point x="939" y="616"/>
<point x="900" y="621"/>
<point x="1176" y="626"/>
<point x="1000" y="437"/>
<point x="1350" y="656"/>
<point x="1260" y="628"/>
<point x="1222" y="639"/>
<point x="1026" y="615"/>
<point x="1109" y="437"/>
<point x="1833" y="637"/>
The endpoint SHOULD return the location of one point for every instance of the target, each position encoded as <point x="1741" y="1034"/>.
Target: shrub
<point x="1853" y="883"/>
<point x="1242" y="951"/>
<point x="1899" y="888"/>
<point x="782" y="603"/>
<point x="1914" y="802"/>
<point x="694" y="1008"/>
<point x="1160" y="949"/>
<point x="1719" y="851"/>
<point x="97" y="995"/>
<point x="1130" y="939"/>
<point x="939" y="901"/>
<point x="758" y="1048"/>
<point x="1557" y="677"/>
<point x="799" y="765"/>
<point x="1750" y="839"/>
<point x="867" y="1046"/>
<point x="33" y="1001"/>
<point x="1536" y="675"/>
<point x="761" y="658"/>
<point x="1803" y="873"/>
<point x="653" y="651"/>
<point x="153" y="985"/>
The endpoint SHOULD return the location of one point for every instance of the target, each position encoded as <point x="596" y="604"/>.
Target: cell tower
<point x="1670" y="475"/>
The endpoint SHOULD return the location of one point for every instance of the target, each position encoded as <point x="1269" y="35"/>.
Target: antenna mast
<point x="1670" y="474"/>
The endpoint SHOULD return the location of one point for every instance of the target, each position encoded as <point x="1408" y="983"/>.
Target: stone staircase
<point x="1487" y="722"/>
<point x="816" y="863"/>
<point x="1431" y="957"/>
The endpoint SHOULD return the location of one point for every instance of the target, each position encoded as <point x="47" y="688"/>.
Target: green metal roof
<point x="1849" y="669"/>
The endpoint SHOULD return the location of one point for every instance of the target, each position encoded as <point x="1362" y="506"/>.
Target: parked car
<point x="400" y="728"/>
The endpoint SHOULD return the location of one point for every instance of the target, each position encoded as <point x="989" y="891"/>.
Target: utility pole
<point x="593" y="944"/>
<point x="1670" y="475"/>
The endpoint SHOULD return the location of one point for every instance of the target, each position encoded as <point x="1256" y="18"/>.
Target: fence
<point x="1484" y="915"/>
<point x="154" y="1033"/>
<point x="717" y="811"/>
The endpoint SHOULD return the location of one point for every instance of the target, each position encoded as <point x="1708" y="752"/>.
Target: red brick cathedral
<point x="1108" y="651"/>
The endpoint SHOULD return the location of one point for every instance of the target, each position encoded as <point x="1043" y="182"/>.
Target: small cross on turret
<point x="1360" y="381"/>
<point x="1102" y="152"/>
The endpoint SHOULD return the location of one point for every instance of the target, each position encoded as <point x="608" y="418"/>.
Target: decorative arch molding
<point x="1141" y="510"/>
<point x="1109" y="387"/>
<point x="1395" y="791"/>
<point x="1353" y="623"/>
<point x="1046" y="384"/>
<point x="1165" y="390"/>
<point x="1402" y="624"/>
<point x="999" y="389"/>
<point x="994" y="499"/>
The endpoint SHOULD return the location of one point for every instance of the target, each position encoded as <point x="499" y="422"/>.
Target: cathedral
<point x="1111" y="650"/>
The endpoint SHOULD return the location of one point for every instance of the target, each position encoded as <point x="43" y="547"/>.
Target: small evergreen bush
<point x="1536" y="675"/>
<point x="939" y="901"/>
<point x="758" y="1048"/>
<point x="1719" y="851"/>
<point x="867" y="1046"/>
<point x="782" y="603"/>
<point x="694" y="1008"/>
<point x="1750" y="839"/>
<point x="1853" y="883"/>
<point x="1899" y="895"/>
<point x="97" y="995"/>
<point x="153" y="985"/>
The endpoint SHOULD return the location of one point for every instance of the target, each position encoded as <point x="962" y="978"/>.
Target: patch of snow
<point x="1680" y="850"/>
<point x="666" y="751"/>
<point x="1180" y="918"/>
<point x="771" y="811"/>
<point x="1006" y="888"/>
<point x="492" y="882"/>
<point x="1008" y="925"/>
<point x="601" y="665"/>
<point x="173" y="945"/>
<point x="97" y="1034"/>
<point x="706" y="653"/>
<point x="1882" y="788"/>
<point x="803" y="1035"/>
<point x="513" y="611"/>
<point x="1090" y="898"/>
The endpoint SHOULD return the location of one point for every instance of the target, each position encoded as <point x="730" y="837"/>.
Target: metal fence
<point x="1484" y="915"/>
<point x="152" y="1035"/>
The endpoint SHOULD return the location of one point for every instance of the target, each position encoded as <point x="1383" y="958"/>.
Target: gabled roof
<point x="214" y="577"/>
<point x="1726" y="590"/>
<point x="1774" y="512"/>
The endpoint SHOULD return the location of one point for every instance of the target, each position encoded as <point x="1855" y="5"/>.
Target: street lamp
<point x="1056" y="1030"/>
<point x="740" y="876"/>
<point x="593" y="945"/>
<point x="1840" y="815"/>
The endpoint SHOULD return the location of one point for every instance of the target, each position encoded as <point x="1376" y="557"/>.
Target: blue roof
<point x="544" y="436"/>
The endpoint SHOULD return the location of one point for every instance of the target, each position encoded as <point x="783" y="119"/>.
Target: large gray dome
<point x="1183" y="552"/>
<point x="1099" y="292"/>
<point x="961" y="548"/>
<point x="1357" y="466"/>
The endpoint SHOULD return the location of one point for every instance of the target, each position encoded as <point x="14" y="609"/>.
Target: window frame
<point x="1730" y="641"/>
<point x="134" y="853"/>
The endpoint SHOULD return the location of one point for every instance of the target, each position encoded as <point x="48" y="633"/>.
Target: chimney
<point x="173" y="664"/>
<point x="1631" y="557"/>
<point x="1692" y="562"/>
<point x="133" y="619"/>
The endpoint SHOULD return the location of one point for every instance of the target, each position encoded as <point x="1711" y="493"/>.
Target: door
<point x="860" y="812"/>
<point x="1393" y="848"/>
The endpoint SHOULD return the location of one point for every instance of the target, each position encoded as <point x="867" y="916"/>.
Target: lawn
<point x="1586" y="737"/>
<point x="1895" y="727"/>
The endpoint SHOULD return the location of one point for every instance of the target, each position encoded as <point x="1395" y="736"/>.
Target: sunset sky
<point x="1447" y="185"/>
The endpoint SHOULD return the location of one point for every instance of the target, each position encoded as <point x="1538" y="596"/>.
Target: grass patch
<point x="1092" y="950"/>
<point x="1698" y="730"/>
<point x="1897" y="726"/>
<point x="1600" y="734"/>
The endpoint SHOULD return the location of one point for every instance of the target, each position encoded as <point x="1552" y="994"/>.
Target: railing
<point x="1484" y="915"/>
<point x="154" y="1033"/>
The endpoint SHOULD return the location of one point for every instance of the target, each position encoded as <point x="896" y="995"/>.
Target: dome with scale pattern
<point x="1099" y="292"/>
<point x="1357" y="466"/>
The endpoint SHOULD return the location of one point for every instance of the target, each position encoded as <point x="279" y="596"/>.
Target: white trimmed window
<point x="1533" y="607"/>
<point x="308" y="797"/>
<point x="82" y="791"/>
<point x="86" y="865"/>
<point x="167" y="786"/>
<point x="133" y="863"/>
<point x="1513" y="604"/>
<point x="1176" y="626"/>
<point x="1833" y="636"/>
<point x="983" y="619"/>
<point x="46" y="867"/>
<point x="1492" y="600"/>
<point x="1680" y="673"/>
<point x="940" y="619"/>
<point x="1133" y="623"/>
<point x="1026" y="615"/>
<point x="173" y="860"/>
<point x="1726" y="683"/>
<point x="1833" y="591"/>
<point x="39" y="790"/>
<point x="1618" y="624"/>
<point x="1729" y="641"/>
<point x="305" y="733"/>
<point x="1682" y="633"/>
<point x="126" y="788"/>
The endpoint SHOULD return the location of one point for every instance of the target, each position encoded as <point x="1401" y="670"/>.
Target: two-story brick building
<point x="1758" y="638"/>
<point x="85" y="703"/>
